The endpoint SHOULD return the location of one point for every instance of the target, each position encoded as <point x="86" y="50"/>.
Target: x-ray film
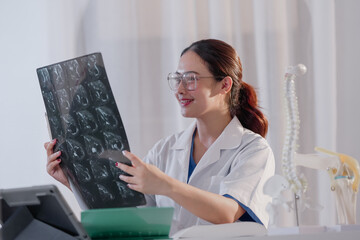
<point x="85" y="120"/>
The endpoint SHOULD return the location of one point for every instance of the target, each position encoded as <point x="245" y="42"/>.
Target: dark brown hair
<point x="222" y="60"/>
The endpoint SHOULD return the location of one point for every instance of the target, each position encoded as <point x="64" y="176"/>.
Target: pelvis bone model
<point x="344" y="178"/>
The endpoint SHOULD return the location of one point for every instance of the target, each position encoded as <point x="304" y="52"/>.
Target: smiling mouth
<point x="185" y="102"/>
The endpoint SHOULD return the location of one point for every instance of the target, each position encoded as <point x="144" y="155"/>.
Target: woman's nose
<point x="182" y="87"/>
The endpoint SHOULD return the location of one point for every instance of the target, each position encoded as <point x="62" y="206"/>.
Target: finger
<point x="50" y="147"/>
<point x="134" y="187"/>
<point x="54" y="156"/>
<point x="46" y="144"/>
<point x="128" y="179"/>
<point x="135" y="161"/>
<point x="128" y="169"/>
<point x="52" y="165"/>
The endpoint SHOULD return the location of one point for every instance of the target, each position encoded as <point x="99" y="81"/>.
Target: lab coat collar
<point x="230" y="138"/>
<point x="184" y="140"/>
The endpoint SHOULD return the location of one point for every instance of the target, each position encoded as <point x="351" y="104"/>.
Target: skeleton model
<point x="297" y="184"/>
<point x="343" y="169"/>
<point x="277" y="184"/>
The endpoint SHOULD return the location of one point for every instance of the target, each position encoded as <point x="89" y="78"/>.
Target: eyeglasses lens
<point x="188" y="80"/>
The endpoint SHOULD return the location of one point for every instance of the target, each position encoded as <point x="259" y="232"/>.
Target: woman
<point x="214" y="171"/>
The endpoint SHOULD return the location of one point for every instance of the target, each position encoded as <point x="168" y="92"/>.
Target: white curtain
<point x="141" y="41"/>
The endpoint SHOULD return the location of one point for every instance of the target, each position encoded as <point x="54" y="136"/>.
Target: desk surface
<point x="314" y="236"/>
<point x="295" y="233"/>
<point x="349" y="235"/>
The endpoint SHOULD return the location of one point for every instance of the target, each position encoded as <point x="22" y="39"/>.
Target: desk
<point x="314" y="236"/>
<point x="348" y="235"/>
<point x="253" y="231"/>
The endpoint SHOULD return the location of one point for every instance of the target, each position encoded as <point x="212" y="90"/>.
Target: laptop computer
<point x="38" y="212"/>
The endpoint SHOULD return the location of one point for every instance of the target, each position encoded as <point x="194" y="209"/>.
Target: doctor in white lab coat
<point x="214" y="171"/>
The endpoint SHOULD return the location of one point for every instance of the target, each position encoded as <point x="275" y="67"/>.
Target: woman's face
<point x="205" y="99"/>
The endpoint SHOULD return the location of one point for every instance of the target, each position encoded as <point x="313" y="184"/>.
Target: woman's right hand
<point x="53" y="168"/>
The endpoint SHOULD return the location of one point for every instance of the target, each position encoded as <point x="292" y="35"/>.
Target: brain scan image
<point x="105" y="194"/>
<point x="71" y="126"/>
<point x="75" y="72"/>
<point x="99" y="92"/>
<point x="58" y="77"/>
<point x="106" y="118"/>
<point x="49" y="100"/>
<point x="80" y="97"/>
<point x="55" y="124"/>
<point x="82" y="172"/>
<point x="45" y="81"/>
<point x="113" y="141"/>
<point x="64" y="102"/>
<point x="100" y="169"/>
<point x="92" y="66"/>
<point x="87" y="121"/>
<point x="75" y="149"/>
<point x="93" y="145"/>
<point x="83" y="117"/>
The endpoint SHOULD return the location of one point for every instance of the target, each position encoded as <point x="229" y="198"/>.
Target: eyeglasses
<point x="189" y="80"/>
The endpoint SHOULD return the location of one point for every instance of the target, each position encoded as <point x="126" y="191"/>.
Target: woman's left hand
<point x="148" y="179"/>
<point x="145" y="178"/>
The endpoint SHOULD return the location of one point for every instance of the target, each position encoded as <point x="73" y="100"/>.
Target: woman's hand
<point x="145" y="178"/>
<point x="53" y="162"/>
<point x="148" y="179"/>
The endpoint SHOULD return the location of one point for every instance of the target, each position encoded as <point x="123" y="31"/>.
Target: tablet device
<point x="83" y="117"/>
<point x="38" y="212"/>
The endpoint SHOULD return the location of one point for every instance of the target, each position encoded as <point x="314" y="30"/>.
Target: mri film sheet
<point x="85" y="120"/>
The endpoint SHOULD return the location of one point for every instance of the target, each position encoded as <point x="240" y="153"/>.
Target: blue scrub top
<point x="248" y="216"/>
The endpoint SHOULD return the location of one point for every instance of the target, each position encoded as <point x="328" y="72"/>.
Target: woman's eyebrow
<point x="187" y="72"/>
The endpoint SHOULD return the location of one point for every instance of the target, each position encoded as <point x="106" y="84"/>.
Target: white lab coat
<point x="238" y="163"/>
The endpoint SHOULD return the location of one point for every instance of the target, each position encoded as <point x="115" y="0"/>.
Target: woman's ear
<point x="226" y="84"/>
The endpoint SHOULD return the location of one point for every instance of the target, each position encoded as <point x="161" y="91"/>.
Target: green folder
<point x="128" y="223"/>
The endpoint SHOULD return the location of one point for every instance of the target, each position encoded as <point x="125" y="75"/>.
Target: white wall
<point x="30" y="38"/>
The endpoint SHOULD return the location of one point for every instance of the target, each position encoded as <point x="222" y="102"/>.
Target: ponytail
<point x="246" y="109"/>
<point x="222" y="60"/>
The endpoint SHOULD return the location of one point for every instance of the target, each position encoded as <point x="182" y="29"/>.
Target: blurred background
<point x="141" y="41"/>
